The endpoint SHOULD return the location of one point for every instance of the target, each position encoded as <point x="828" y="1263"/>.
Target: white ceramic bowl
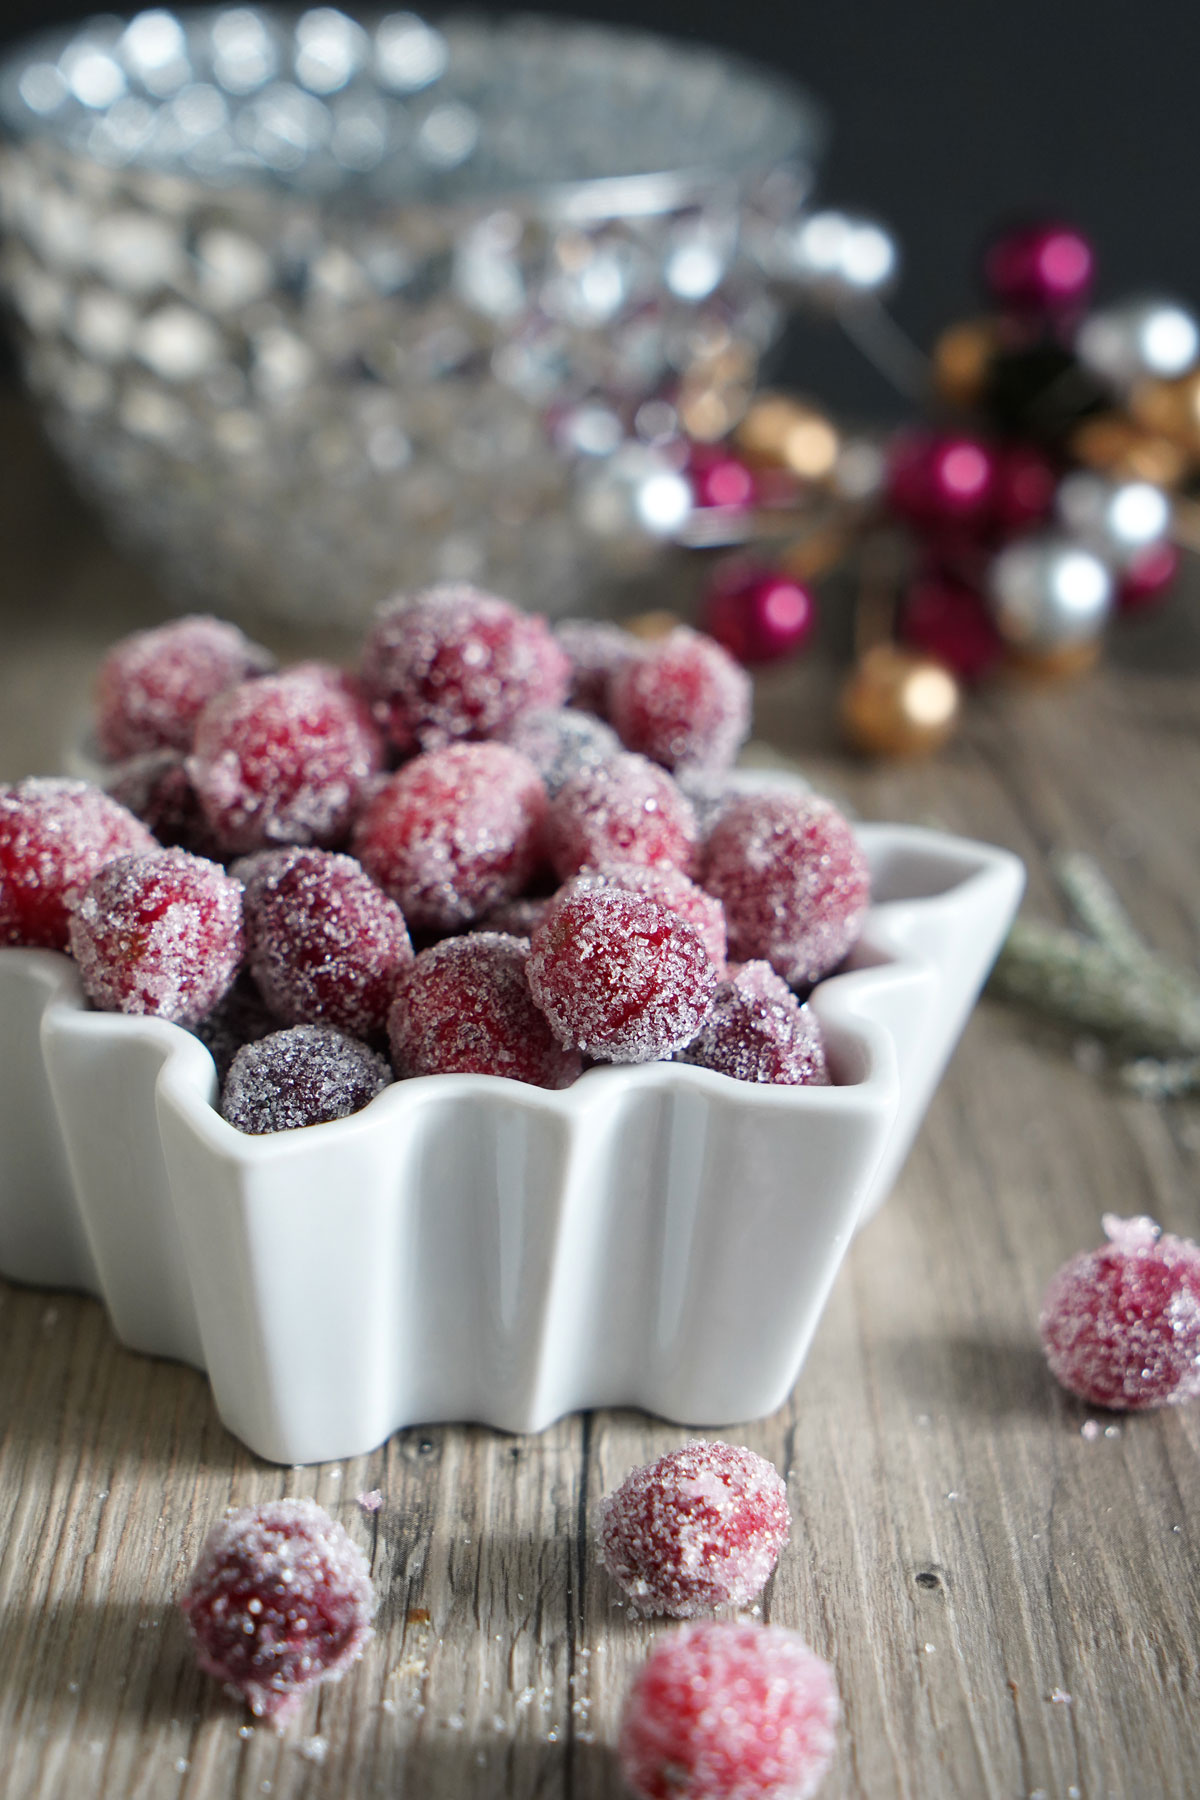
<point x="468" y="1247"/>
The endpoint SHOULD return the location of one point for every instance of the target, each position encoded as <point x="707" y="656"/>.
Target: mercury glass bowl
<point x="319" y="308"/>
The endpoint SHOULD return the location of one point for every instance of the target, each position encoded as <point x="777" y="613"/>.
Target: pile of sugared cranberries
<point x="514" y="798"/>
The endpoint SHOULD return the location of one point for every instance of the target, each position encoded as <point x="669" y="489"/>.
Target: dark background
<point x="948" y="114"/>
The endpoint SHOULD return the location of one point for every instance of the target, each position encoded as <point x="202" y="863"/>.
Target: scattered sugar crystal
<point x="314" y="1749"/>
<point x="370" y="1502"/>
<point x="1090" y="1429"/>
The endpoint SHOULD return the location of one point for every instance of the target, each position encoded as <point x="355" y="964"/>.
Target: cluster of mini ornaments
<point x="436" y="865"/>
<point x="1041" y="499"/>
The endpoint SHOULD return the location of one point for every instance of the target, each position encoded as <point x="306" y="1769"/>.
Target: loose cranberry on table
<point x="454" y="662"/>
<point x="684" y="703"/>
<point x="618" y="976"/>
<point x="793" y="881"/>
<point x="454" y="833"/>
<point x="725" y="1711"/>
<point x="627" y="810"/>
<point x="323" y="942"/>
<point x="54" y="836"/>
<point x="1121" y="1325"/>
<point x="757" y="1030"/>
<point x="280" y="1599"/>
<point x="159" y="934"/>
<point x="464" y="1007"/>
<point x="153" y="685"/>
<point x="306" y="1075"/>
<point x="700" y="1528"/>
<point x="284" y="759"/>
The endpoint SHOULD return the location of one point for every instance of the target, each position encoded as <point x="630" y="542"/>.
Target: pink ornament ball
<point x="700" y="1528"/>
<point x="625" y="810"/>
<point x="152" y="686"/>
<point x="1147" y="578"/>
<point x="1121" y="1325"/>
<point x="685" y="703"/>
<point x="54" y="835"/>
<point x="938" y="482"/>
<point x="725" y="1711"/>
<point x="280" y="1599"/>
<point x="793" y="881"/>
<point x="454" y="833"/>
<point x="159" y="934"/>
<point x="1024" y="487"/>
<point x="464" y="1008"/>
<point x="945" y="618"/>
<point x="721" y="480"/>
<point x="1043" y="269"/>
<point x="759" y="615"/>
<point x="758" y="1031"/>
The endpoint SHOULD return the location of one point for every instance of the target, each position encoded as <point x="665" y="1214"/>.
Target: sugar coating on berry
<point x="284" y="759"/>
<point x="157" y="788"/>
<point x="726" y="1711"/>
<point x="685" y="702"/>
<point x="454" y="833"/>
<point x="280" y="1599"/>
<point x="758" y="1031"/>
<point x="240" y="1016"/>
<point x="323" y="942"/>
<point x="518" y="918"/>
<point x="159" y="934"/>
<point x="700" y="1528"/>
<point x="54" y="835"/>
<point x="618" y="976"/>
<point x="627" y="810"/>
<point x="1121" y="1325"/>
<point x="454" y="662"/>
<point x="672" y="889"/>
<point x="560" y="741"/>
<point x="596" y="650"/>
<point x="794" y="883"/>
<point x="153" y="685"/>
<point x="306" y="1075"/>
<point x="464" y="1007"/>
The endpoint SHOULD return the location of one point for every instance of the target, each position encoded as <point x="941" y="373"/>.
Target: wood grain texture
<point x="1013" y="1608"/>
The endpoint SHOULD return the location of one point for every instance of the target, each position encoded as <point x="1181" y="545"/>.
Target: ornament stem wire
<point x="876" y="335"/>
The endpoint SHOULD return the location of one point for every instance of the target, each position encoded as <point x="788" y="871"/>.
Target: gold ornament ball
<point x="898" y="703"/>
<point x="1120" y="447"/>
<point x="788" y="434"/>
<point x="1065" y="663"/>
<point x="962" y="357"/>
<point x="1170" y="407"/>
<point x="653" y="625"/>
<point x="815" y="553"/>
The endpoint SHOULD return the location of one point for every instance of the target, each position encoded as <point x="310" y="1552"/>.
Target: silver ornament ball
<point x="1047" y="592"/>
<point x="1138" y="340"/>
<point x="835" y="258"/>
<point x="633" y="499"/>
<point x="1119" y="520"/>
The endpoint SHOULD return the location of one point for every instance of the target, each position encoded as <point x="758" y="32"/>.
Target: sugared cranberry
<point x="684" y="702"/>
<point x="54" y="835"/>
<point x="284" y="759"/>
<point x="560" y="741"/>
<point x="618" y="976"/>
<point x="158" y="789"/>
<point x="759" y="615"/>
<point x="758" y="1031"/>
<point x="1045" y="268"/>
<point x="947" y="619"/>
<point x="464" y="1007"/>
<point x="240" y="1017"/>
<point x="626" y="811"/>
<point x="596" y="651"/>
<point x="158" y="934"/>
<point x="1121" y="1325"/>
<point x="323" y="942"/>
<point x="153" y="685"/>
<point x="673" y="890"/>
<point x="700" y="1528"/>
<point x="454" y="663"/>
<point x="793" y="881"/>
<point x="280" y="1599"/>
<point x="454" y="833"/>
<point x="306" y="1075"/>
<point x="724" y="1711"/>
<point x="518" y="918"/>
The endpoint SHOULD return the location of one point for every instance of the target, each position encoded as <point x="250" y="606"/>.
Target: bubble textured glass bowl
<point x="468" y="1248"/>
<point x="320" y="308"/>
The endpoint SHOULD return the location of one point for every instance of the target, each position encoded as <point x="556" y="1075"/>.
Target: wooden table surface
<point x="1012" y="1604"/>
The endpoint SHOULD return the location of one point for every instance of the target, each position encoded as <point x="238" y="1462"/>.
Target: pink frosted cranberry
<point x="725" y="1711"/>
<point x="596" y="650"/>
<point x="618" y="976"/>
<point x="54" y="835"/>
<point x="305" y="1075"/>
<point x="560" y="741"/>
<point x="158" y="789"/>
<point x="284" y="759"/>
<point x="153" y="685"/>
<point x="685" y="703"/>
<point x="702" y="1527"/>
<point x="454" y="662"/>
<point x="793" y="881"/>
<point x="280" y="1599"/>
<point x="454" y="833"/>
<point x="1121" y="1325"/>
<point x="673" y="890"/>
<point x="518" y="918"/>
<point x="627" y="810"/>
<point x="758" y="1031"/>
<point x="158" y="934"/>
<point x="464" y="1008"/>
<point x="323" y="942"/>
